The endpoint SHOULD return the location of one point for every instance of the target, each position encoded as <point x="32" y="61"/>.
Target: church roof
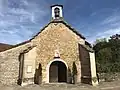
<point x="65" y="23"/>
<point x="53" y="21"/>
<point x="57" y="5"/>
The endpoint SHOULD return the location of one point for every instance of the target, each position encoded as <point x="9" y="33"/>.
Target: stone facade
<point x="9" y="64"/>
<point x="30" y="62"/>
<point x="56" y="37"/>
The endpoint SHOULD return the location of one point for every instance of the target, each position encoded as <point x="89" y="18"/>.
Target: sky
<point x="20" y="20"/>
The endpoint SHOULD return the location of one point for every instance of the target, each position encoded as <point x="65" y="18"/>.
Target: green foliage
<point x="94" y="79"/>
<point x="100" y="44"/>
<point x="108" y="54"/>
<point x="100" y="40"/>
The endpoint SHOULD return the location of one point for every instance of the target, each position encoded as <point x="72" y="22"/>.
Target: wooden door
<point x="53" y="72"/>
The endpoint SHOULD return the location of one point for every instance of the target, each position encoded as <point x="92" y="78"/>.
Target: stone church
<point x="56" y="54"/>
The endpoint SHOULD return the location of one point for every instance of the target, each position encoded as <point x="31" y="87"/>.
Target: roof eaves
<point x="53" y="21"/>
<point x="69" y="26"/>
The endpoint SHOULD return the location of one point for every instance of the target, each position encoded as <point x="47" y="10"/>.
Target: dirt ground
<point x="102" y="86"/>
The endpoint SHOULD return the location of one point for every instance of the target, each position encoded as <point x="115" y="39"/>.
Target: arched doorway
<point x="57" y="72"/>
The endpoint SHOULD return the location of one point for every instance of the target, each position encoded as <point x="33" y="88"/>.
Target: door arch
<point x="57" y="71"/>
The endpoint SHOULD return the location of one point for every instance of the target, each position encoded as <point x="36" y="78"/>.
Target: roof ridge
<point x="52" y="21"/>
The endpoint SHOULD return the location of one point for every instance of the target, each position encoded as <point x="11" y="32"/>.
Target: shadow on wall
<point x="85" y="65"/>
<point x="70" y="76"/>
<point x="21" y="64"/>
<point x="74" y="69"/>
<point x="38" y="75"/>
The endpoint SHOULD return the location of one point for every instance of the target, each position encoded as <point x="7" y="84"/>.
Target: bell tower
<point x="57" y="13"/>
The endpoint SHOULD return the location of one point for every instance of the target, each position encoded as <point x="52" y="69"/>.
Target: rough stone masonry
<point x="55" y="46"/>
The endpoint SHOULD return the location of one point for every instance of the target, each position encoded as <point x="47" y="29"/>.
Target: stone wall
<point x="29" y="67"/>
<point x="57" y="37"/>
<point x="9" y="64"/>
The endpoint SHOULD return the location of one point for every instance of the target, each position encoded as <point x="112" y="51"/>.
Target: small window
<point x="29" y="69"/>
<point x="57" y="12"/>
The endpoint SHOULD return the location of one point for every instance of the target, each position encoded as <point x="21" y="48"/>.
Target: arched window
<point x="57" y="12"/>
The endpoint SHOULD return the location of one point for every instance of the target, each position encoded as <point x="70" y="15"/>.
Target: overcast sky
<point x="22" y="19"/>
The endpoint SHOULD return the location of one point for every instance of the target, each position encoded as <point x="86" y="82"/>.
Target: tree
<point x="108" y="54"/>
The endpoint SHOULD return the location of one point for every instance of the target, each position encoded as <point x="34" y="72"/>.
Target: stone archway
<point x="57" y="71"/>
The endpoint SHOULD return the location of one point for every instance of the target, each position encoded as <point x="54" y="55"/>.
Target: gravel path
<point x="102" y="86"/>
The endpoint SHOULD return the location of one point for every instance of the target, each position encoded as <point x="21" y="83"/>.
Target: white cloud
<point x="18" y="18"/>
<point x="9" y="32"/>
<point x="93" y="14"/>
<point x="106" y="34"/>
<point x="25" y="2"/>
<point x="107" y="27"/>
<point x="110" y="32"/>
<point x="6" y="23"/>
<point x="1" y="4"/>
<point x="111" y="19"/>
